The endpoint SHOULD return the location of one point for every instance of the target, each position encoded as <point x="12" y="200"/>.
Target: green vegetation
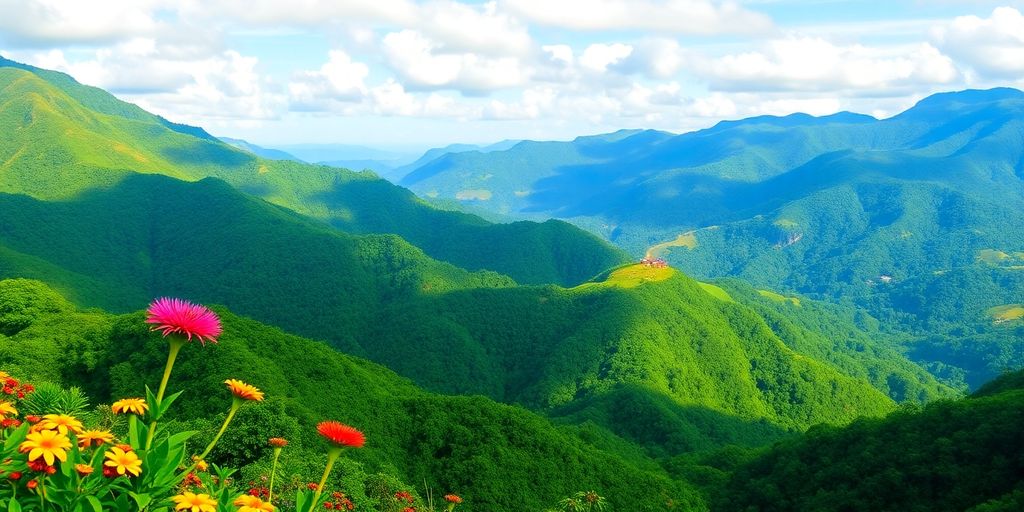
<point x="448" y="329"/>
<point x="948" y="456"/>
<point x="499" y="458"/>
<point x="65" y="139"/>
<point x="844" y="208"/>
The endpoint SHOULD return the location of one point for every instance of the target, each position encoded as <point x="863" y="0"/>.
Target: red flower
<point x="452" y="498"/>
<point x="341" y="434"/>
<point x="176" y="316"/>
<point x="312" y="485"/>
<point x="16" y="475"/>
<point x="32" y="484"/>
<point x="277" y="442"/>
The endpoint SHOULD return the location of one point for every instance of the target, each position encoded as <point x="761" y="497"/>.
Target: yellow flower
<point x="248" y="503"/>
<point x="123" y="461"/>
<point x="61" y="423"/>
<point x="201" y="464"/>
<point x="94" y="438"/>
<point x="243" y="390"/>
<point x="130" y="406"/>
<point x="195" y="502"/>
<point x="6" y="409"/>
<point x="48" y="444"/>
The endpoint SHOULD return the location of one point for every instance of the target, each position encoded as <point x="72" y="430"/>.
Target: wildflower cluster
<point x="58" y="462"/>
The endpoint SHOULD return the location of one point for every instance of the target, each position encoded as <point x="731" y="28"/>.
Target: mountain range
<point x="602" y="371"/>
<point x="896" y="215"/>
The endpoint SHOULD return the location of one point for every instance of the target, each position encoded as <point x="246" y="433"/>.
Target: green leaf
<point x="13" y="506"/>
<point x="141" y="499"/>
<point x="95" y="502"/>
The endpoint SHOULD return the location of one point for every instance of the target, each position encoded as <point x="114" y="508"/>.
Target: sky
<point x="412" y="74"/>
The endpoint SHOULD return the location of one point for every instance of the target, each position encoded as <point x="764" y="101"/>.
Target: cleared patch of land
<point x="688" y="240"/>
<point x="779" y="297"/>
<point x="1006" y="313"/>
<point x="716" y="292"/>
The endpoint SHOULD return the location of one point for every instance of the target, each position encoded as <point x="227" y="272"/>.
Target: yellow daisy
<point x="94" y="438"/>
<point x="6" y="409"/>
<point x="48" y="444"/>
<point x="243" y="390"/>
<point x="123" y="461"/>
<point x="61" y="423"/>
<point x="195" y="502"/>
<point x="130" y="406"/>
<point x="248" y="503"/>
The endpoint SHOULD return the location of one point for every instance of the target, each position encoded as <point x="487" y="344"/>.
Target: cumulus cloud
<point x="424" y="63"/>
<point x="599" y="56"/>
<point x="40" y="23"/>
<point x="700" y="17"/>
<point x="993" y="46"/>
<point x="340" y="79"/>
<point x="814" y="64"/>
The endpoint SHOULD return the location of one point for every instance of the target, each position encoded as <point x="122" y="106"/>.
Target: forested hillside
<point x="65" y="138"/>
<point x="890" y="214"/>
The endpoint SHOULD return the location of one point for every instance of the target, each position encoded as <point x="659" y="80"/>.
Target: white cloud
<point x="993" y="46"/>
<point x="423" y="63"/>
<point x="701" y="17"/>
<point x="814" y="64"/>
<point x="598" y="57"/>
<point x="340" y="79"/>
<point x="34" y="23"/>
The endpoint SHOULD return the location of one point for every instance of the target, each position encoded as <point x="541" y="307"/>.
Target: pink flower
<point x="176" y="316"/>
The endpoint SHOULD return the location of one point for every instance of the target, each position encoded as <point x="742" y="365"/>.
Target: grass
<point x="716" y="292"/>
<point x="1006" y="313"/>
<point x="992" y="256"/>
<point x="688" y="240"/>
<point x="778" y="297"/>
<point x="631" y="276"/>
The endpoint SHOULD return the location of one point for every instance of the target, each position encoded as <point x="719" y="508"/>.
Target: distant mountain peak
<point x="968" y="97"/>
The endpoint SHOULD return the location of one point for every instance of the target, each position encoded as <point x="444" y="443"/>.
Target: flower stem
<point x="231" y="414"/>
<point x="273" y="473"/>
<point x="176" y="343"/>
<point x="332" y="456"/>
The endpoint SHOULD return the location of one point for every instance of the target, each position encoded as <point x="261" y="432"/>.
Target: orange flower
<point x="130" y="406"/>
<point x="94" y="438"/>
<point x="277" y="442"/>
<point x="123" y="461"/>
<point x="83" y="469"/>
<point x="61" y="423"/>
<point x="195" y="502"/>
<point x="244" y="391"/>
<point x="48" y="444"/>
<point x="452" y="498"/>
<point x="248" y="503"/>
<point x="341" y="434"/>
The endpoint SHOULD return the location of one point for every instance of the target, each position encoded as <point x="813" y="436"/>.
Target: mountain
<point x="702" y="358"/>
<point x="842" y="208"/>
<point x="950" y="456"/>
<point x="66" y="139"/>
<point x="396" y="174"/>
<point x="497" y="457"/>
<point x="647" y="361"/>
<point x="269" y="154"/>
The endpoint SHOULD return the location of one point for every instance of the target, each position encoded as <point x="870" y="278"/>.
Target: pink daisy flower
<point x="176" y="316"/>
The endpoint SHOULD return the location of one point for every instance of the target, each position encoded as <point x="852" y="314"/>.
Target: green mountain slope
<point x="499" y="458"/>
<point x="955" y="456"/>
<point x="66" y="138"/>
<point x="649" y="331"/>
<point x="844" y="208"/>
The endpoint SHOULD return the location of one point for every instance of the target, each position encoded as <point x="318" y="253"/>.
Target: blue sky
<point x="413" y="74"/>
